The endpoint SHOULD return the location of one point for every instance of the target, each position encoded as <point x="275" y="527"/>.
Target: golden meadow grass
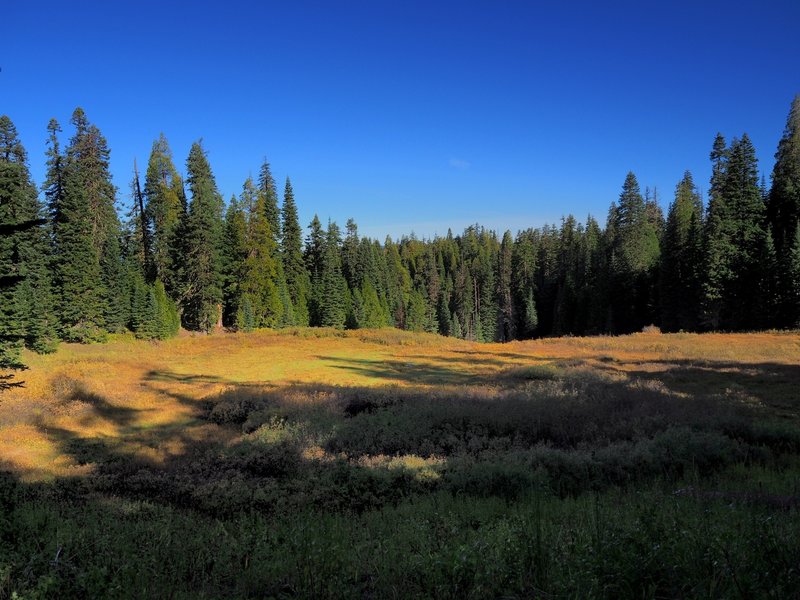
<point x="139" y="395"/>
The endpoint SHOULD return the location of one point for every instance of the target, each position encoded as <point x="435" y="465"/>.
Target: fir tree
<point x="333" y="287"/>
<point x="793" y="275"/>
<point x="164" y="208"/>
<point x="269" y="191"/>
<point x="634" y="255"/>
<point x="313" y="257"/>
<point x="25" y="296"/>
<point x="203" y="294"/>
<point x="28" y="247"/>
<point x="294" y="269"/>
<point x="77" y="278"/>
<point x="680" y="276"/>
<point x="262" y="273"/>
<point x="504" y="291"/>
<point x="234" y="254"/>
<point x="784" y="196"/>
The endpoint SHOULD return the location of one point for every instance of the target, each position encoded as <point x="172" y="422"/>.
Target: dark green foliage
<point x="735" y="237"/>
<point x="681" y="259"/>
<point x="154" y="316"/>
<point x="82" y="299"/>
<point x="793" y="275"/>
<point x="731" y="268"/>
<point x="164" y="208"/>
<point x="333" y="296"/>
<point x="203" y="292"/>
<point x="784" y="196"/>
<point x="294" y="269"/>
<point x="269" y="193"/>
<point x="633" y="258"/>
<point x="26" y="305"/>
<point x="245" y="316"/>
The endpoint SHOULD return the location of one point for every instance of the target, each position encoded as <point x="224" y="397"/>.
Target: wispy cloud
<point x="461" y="165"/>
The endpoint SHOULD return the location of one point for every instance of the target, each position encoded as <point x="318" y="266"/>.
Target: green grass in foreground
<point x="556" y="480"/>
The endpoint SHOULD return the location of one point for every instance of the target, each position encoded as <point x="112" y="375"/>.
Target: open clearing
<point x="383" y="463"/>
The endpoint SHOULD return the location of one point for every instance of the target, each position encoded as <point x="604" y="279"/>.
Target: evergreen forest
<point x="75" y="267"/>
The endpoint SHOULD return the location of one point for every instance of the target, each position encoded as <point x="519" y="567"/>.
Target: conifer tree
<point x="735" y="237"/>
<point x="784" y="196"/>
<point x="634" y="255"/>
<point x="294" y="268"/>
<point x="313" y="257"/>
<point x="680" y="276"/>
<point x="333" y="298"/>
<point x="262" y="273"/>
<point x="88" y="164"/>
<point x="26" y="304"/>
<point x="80" y="305"/>
<point x="234" y="254"/>
<point x="508" y="317"/>
<point x="164" y="208"/>
<point x="203" y="293"/>
<point x="269" y="191"/>
<point x="793" y="276"/>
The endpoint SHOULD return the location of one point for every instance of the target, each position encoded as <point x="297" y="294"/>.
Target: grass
<point x="320" y="463"/>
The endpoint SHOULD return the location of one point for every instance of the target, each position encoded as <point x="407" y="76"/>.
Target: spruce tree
<point x="313" y="257"/>
<point x="80" y="304"/>
<point x="88" y="158"/>
<point x="164" y="207"/>
<point x="294" y="268"/>
<point x="784" y="196"/>
<point x="203" y="293"/>
<point x="634" y="255"/>
<point x="234" y="254"/>
<point x="29" y="247"/>
<point x="26" y="305"/>
<point x="793" y="284"/>
<point x="269" y="191"/>
<point x="333" y="297"/>
<point x="680" y="278"/>
<point x="735" y="237"/>
<point x="262" y="274"/>
<point x="505" y="300"/>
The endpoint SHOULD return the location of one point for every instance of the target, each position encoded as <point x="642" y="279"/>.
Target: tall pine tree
<point x="203" y="292"/>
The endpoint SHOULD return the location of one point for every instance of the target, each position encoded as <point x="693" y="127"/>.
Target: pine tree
<point x="267" y="189"/>
<point x="634" y="254"/>
<point x="26" y="304"/>
<point x="234" y="254"/>
<point x="88" y="161"/>
<point x="680" y="276"/>
<point x="504" y="292"/>
<point x="294" y="268"/>
<point x="80" y="304"/>
<point x="262" y="274"/>
<point x="164" y="207"/>
<point x="203" y="294"/>
<point x="734" y="238"/>
<point x="784" y="196"/>
<point x="333" y="287"/>
<point x="793" y="276"/>
<point x="29" y="247"/>
<point x="313" y="257"/>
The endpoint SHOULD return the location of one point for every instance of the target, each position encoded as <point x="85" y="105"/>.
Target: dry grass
<point x="146" y="399"/>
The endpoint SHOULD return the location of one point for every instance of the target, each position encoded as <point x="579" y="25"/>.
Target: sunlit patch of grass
<point x="152" y="395"/>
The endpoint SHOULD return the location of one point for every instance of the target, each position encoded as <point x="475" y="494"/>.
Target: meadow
<point x="387" y="464"/>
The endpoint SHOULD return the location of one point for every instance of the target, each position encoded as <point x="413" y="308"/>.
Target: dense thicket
<point x="183" y="258"/>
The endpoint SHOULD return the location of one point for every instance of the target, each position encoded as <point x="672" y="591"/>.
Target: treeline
<point x="73" y="270"/>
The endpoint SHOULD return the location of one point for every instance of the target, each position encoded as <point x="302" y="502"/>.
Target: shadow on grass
<point x="266" y="472"/>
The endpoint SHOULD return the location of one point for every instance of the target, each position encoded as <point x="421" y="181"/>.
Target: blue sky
<point x="412" y="116"/>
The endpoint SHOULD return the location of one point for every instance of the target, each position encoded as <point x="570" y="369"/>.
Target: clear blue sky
<point x="412" y="115"/>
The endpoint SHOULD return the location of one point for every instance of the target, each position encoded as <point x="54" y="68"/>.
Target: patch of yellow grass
<point x="145" y="397"/>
